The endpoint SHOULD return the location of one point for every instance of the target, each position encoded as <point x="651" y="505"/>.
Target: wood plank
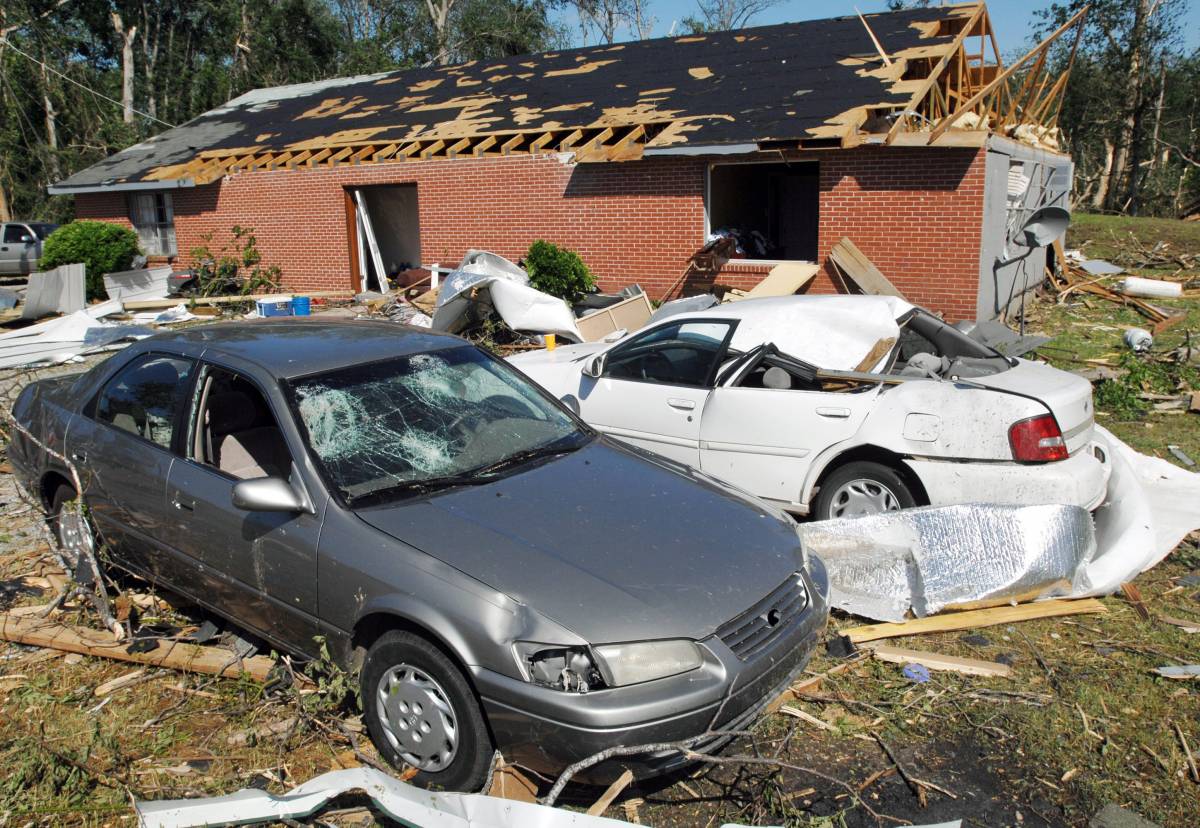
<point x="409" y="150"/>
<point x="855" y="265"/>
<point x="512" y="143"/>
<point x="159" y="304"/>
<point x="540" y="142"/>
<point x="175" y="655"/>
<point x="319" y="156"/>
<point x="785" y="279"/>
<point x="878" y="351"/>
<point x="483" y="146"/>
<point x="341" y="154"/>
<point x="570" y="141"/>
<point x="936" y="661"/>
<point x="361" y="155"/>
<point x="613" y="791"/>
<point x="948" y="622"/>
<point x="428" y="151"/>
<point x="386" y="152"/>
<point x="457" y="147"/>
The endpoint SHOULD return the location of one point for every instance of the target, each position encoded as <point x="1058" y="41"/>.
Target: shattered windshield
<point x="434" y="420"/>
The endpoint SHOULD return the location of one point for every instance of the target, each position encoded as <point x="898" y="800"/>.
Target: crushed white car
<point x="838" y="406"/>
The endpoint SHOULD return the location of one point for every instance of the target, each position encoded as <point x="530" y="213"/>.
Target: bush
<point x="558" y="271"/>
<point x="101" y="247"/>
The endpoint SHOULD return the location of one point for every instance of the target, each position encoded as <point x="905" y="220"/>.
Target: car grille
<point x="753" y="631"/>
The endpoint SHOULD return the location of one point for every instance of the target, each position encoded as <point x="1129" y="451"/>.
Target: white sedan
<point x="838" y="406"/>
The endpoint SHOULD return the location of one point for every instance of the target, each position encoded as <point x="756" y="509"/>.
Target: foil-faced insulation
<point x="883" y="565"/>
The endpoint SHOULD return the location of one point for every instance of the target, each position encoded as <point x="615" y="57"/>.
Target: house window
<point x="771" y="209"/>
<point x="153" y="218"/>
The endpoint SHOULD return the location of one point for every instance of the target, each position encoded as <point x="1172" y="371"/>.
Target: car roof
<point x="292" y="347"/>
<point x="754" y="309"/>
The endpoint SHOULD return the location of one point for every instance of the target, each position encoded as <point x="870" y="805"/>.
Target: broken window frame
<point x="721" y="352"/>
<point x="152" y="215"/>
<point x="198" y="406"/>
<point x="708" y="201"/>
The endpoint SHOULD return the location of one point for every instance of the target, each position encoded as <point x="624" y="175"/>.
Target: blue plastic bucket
<point x="301" y="306"/>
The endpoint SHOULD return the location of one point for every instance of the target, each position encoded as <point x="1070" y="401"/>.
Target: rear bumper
<point x="1080" y="480"/>
<point x="547" y="730"/>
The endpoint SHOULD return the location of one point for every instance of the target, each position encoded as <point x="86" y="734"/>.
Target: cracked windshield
<point x="429" y="421"/>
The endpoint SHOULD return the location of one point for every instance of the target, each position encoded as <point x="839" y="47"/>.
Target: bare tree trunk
<point x="1125" y="167"/>
<point x="1102" y="184"/>
<point x="5" y="213"/>
<point x="439" y="16"/>
<point x="641" y="20"/>
<point x="127" y="37"/>
<point x="50" y="115"/>
<point x="1158" y="110"/>
<point x="150" y="43"/>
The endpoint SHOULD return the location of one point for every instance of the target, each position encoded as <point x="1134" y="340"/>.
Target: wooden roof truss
<point x="615" y="143"/>
<point x="965" y="89"/>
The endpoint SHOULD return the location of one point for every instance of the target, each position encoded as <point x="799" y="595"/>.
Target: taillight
<point x="1037" y="440"/>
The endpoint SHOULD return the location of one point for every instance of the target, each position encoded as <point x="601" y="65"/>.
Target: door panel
<point x="765" y="439"/>
<point x="660" y="418"/>
<point x="259" y="567"/>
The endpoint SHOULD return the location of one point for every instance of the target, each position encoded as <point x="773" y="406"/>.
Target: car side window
<point x="235" y="431"/>
<point x="680" y="354"/>
<point x="14" y="233"/>
<point x="146" y="397"/>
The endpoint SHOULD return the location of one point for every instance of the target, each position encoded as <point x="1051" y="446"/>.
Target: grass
<point x="1095" y="233"/>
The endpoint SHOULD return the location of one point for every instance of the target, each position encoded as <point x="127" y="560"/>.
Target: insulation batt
<point x="922" y="560"/>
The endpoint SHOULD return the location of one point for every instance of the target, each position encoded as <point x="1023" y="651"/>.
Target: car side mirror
<point x="594" y="367"/>
<point x="267" y="494"/>
<point x="27" y="239"/>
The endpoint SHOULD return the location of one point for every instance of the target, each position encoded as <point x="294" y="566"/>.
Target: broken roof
<point x="795" y="84"/>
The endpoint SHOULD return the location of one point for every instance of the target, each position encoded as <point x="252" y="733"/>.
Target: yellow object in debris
<point x="551" y="342"/>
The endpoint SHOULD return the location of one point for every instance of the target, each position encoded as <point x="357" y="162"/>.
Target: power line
<point x="6" y="42"/>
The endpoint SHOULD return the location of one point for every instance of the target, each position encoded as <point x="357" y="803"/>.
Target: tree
<point x="724" y="15"/>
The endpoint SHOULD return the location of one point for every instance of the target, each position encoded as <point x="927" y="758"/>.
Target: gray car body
<point x="607" y="544"/>
<point x="21" y="246"/>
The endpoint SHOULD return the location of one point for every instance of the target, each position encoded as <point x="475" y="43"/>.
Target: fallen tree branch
<point x="918" y="785"/>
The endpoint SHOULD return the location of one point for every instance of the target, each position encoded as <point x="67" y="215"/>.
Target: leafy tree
<point x="558" y="271"/>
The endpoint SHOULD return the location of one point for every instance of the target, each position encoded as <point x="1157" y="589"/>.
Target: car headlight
<point x="566" y="668"/>
<point x="639" y="661"/>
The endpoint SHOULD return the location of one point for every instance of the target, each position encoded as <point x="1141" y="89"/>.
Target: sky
<point x="1013" y="20"/>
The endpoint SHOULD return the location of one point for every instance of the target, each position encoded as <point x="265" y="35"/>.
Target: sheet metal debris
<point x="139" y="285"/>
<point x="61" y="290"/>
<point x="405" y="803"/>
<point x="60" y="340"/>
<point x="882" y="566"/>
<point x="483" y="281"/>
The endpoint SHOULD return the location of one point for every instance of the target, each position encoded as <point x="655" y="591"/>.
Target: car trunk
<point x="1068" y="397"/>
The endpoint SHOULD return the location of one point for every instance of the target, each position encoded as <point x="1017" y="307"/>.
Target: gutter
<point x="131" y="186"/>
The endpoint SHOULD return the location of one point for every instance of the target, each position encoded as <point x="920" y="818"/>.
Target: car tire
<point x="862" y="488"/>
<point x="70" y="532"/>
<point x="421" y="713"/>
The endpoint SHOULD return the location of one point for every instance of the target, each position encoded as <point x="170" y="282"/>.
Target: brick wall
<point x="915" y="212"/>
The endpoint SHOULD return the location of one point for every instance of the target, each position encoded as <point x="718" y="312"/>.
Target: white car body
<point x="948" y="434"/>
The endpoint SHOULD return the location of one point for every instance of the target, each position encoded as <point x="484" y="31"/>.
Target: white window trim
<point x="708" y="206"/>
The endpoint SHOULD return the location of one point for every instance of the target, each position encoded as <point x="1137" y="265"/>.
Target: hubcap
<point x="857" y="498"/>
<point x="74" y="533"/>
<point x="417" y="718"/>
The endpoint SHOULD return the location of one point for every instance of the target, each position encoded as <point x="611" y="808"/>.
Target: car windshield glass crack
<point x="389" y="427"/>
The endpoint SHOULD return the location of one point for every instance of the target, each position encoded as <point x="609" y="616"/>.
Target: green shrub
<point x="99" y="246"/>
<point x="558" y="271"/>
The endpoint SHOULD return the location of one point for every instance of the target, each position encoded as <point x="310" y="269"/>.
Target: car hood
<point x="1068" y="396"/>
<point x="609" y="544"/>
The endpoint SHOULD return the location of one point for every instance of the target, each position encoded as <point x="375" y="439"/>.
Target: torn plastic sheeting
<point x="484" y="279"/>
<point x="850" y="327"/>
<point x="400" y="801"/>
<point x="880" y="566"/>
<point x="178" y="313"/>
<point x="1150" y="508"/>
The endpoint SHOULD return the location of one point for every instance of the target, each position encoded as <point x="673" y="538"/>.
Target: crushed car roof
<point x="292" y="348"/>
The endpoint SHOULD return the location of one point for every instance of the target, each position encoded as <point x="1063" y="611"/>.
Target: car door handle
<point x="683" y="405"/>
<point x="183" y="505"/>
<point x="835" y="413"/>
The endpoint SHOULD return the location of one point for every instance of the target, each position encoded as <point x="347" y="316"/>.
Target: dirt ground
<point x="1082" y="721"/>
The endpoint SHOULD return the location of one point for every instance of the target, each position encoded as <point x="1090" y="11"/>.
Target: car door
<point x="17" y="243"/>
<point x="764" y="426"/>
<point x="122" y="447"/>
<point x="258" y="567"/>
<point x="653" y="389"/>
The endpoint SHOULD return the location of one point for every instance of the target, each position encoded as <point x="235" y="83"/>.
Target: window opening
<point x="770" y="210"/>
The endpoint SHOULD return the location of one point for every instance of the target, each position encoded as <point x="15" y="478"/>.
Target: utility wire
<point x="6" y="42"/>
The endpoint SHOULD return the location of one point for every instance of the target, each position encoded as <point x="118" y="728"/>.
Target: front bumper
<point x="546" y="730"/>
<point x="1080" y="480"/>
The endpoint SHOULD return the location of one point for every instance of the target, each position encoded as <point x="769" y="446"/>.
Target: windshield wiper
<point x="431" y="484"/>
<point x="521" y="457"/>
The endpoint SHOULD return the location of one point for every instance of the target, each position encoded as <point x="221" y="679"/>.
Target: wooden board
<point x="975" y="618"/>
<point x="628" y="314"/>
<point x="159" y="304"/>
<point x="855" y="265"/>
<point x="784" y="279"/>
<point x="40" y="632"/>
<point x="936" y="661"/>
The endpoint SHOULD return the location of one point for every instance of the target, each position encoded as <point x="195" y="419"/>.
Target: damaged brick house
<point x="903" y="132"/>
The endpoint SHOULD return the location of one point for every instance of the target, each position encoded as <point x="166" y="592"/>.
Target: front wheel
<point x="862" y="488"/>
<point x="421" y="712"/>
